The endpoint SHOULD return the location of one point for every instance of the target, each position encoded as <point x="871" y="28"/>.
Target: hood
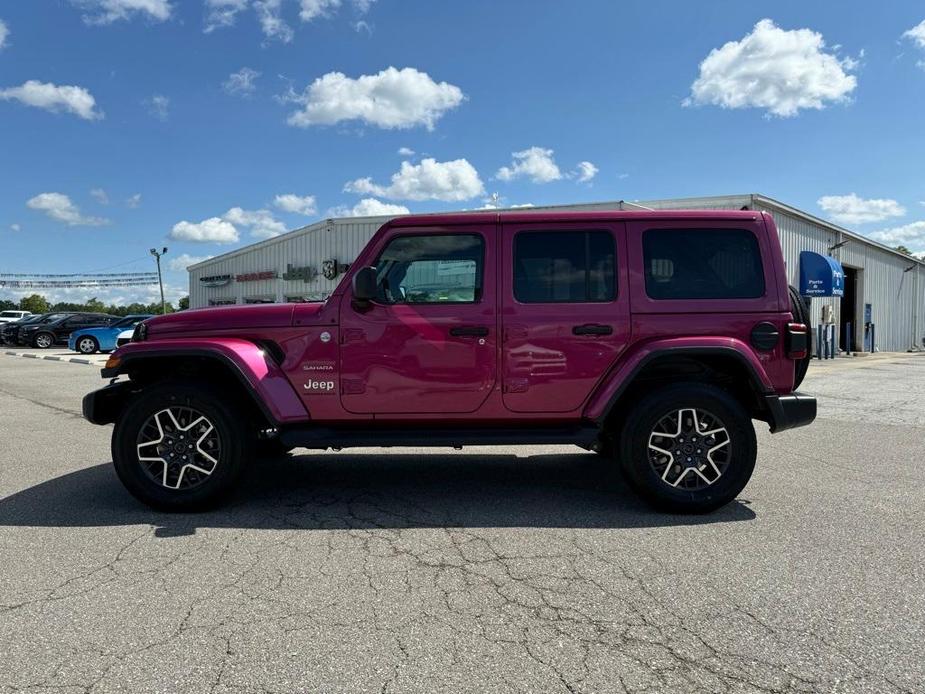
<point x="228" y="318"/>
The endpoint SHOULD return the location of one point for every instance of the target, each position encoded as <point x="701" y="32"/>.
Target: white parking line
<point x="70" y="360"/>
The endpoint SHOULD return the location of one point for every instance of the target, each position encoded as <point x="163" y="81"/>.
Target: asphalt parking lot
<point x="482" y="570"/>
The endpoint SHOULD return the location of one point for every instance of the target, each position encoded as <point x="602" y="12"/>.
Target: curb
<point x="69" y="360"/>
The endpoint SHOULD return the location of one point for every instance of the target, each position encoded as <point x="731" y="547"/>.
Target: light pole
<point x="160" y="281"/>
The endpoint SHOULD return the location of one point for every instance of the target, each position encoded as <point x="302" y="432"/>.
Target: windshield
<point x="10" y="314"/>
<point x="128" y="321"/>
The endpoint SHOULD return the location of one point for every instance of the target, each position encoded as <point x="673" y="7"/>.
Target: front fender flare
<point x="263" y="379"/>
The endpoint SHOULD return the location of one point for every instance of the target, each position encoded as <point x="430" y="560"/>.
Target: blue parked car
<point x="102" y="339"/>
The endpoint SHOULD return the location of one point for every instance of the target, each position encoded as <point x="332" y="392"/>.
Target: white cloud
<point x="850" y="209"/>
<point x="405" y="152"/>
<point x="390" y="99"/>
<point x="496" y="202"/>
<point x="242" y="82"/>
<point x="133" y="201"/>
<point x="450" y="181"/>
<point x="271" y="21"/>
<point x="184" y="260"/>
<point x="224" y="229"/>
<point x="369" y="207"/>
<point x="296" y="204"/>
<point x="586" y="171"/>
<point x="54" y="98"/>
<point x="100" y="196"/>
<point x="109" y="11"/>
<point x="912" y="236"/>
<point x="312" y="9"/>
<point x="222" y="13"/>
<point x="775" y="69"/>
<point x="60" y="208"/>
<point x="917" y="34"/>
<point x="535" y="163"/>
<point x="4" y="33"/>
<point x="260" y="222"/>
<point x="211" y="230"/>
<point x="15" y="227"/>
<point x="158" y="106"/>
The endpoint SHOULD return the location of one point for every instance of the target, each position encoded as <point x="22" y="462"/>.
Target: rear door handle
<point x="592" y="329"/>
<point x="469" y="331"/>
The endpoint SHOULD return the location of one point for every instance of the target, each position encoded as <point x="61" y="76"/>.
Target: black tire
<point x="43" y="340"/>
<point x="801" y="314"/>
<point x="651" y="412"/>
<point x="233" y="443"/>
<point x="87" y="344"/>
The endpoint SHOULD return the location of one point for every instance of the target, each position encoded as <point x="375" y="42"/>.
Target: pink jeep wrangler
<point x="651" y="338"/>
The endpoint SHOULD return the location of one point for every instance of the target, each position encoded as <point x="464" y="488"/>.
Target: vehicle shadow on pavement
<point x="362" y="491"/>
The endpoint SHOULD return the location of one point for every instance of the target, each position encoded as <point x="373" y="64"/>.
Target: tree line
<point x="36" y="303"/>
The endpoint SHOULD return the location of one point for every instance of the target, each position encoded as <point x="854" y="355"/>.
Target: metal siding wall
<point x="339" y="239"/>
<point x="891" y="292"/>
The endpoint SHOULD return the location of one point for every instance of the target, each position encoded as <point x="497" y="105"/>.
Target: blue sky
<point x="156" y="143"/>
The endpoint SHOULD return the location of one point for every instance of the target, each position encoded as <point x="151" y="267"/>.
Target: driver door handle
<point x="469" y="331"/>
<point x="592" y="329"/>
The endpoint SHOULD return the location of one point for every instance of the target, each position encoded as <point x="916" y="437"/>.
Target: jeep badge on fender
<point x="653" y="339"/>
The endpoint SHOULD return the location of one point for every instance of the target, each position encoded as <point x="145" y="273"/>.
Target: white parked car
<point x="124" y="337"/>
<point x="11" y="316"/>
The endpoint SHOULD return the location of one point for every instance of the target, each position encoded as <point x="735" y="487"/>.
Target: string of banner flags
<point x="23" y="280"/>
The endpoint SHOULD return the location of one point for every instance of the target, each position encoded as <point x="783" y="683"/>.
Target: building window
<point x="222" y="302"/>
<point x="702" y="264"/>
<point x="259" y="300"/>
<point x="438" y="269"/>
<point x="564" y="266"/>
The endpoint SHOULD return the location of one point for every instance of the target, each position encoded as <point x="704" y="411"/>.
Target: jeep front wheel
<point x="180" y="447"/>
<point x="688" y="448"/>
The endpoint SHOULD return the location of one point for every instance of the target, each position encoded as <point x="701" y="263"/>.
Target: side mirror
<point x="364" y="285"/>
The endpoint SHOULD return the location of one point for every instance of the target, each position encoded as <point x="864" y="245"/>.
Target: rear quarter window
<point x="702" y="264"/>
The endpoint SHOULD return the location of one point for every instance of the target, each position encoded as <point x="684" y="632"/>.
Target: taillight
<point x="797" y="341"/>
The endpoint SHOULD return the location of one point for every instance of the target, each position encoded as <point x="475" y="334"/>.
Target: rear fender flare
<point x="615" y="384"/>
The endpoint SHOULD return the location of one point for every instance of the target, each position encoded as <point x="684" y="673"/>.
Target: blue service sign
<point x="820" y="275"/>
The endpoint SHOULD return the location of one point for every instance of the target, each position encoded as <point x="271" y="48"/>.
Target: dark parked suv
<point x="56" y="331"/>
<point x="9" y="332"/>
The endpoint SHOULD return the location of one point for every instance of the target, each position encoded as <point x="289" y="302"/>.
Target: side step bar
<point x="321" y="437"/>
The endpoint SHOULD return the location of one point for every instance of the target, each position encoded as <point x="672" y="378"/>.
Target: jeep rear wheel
<point x="688" y="448"/>
<point x="180" y="447"/>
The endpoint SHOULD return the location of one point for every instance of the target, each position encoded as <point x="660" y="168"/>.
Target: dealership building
<point x="882" y="287"/>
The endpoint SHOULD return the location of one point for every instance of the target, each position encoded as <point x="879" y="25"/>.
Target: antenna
<point x="636" y="204"/>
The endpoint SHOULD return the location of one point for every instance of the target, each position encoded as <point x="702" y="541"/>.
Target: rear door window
<point x="702" y="264"/>
<point x="564" y="266"/>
